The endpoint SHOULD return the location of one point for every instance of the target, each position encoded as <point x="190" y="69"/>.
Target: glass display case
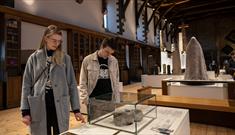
<point x="131" y="114"/>
<point x="127" y="112"/>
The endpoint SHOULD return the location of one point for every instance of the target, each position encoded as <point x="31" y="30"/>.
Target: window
<point x="105" y="21"/>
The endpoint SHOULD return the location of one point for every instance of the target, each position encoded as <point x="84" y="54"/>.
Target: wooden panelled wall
<point x="1" y="95"/>
<point x="10" y="62"/>
<point x="151" y="56"/>
<point x="135" y="65"/>
<point x="81" y="42"/>
<point x="120" y="54"/>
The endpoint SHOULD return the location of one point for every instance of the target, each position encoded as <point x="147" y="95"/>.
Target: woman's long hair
<point x="58" y="54"/>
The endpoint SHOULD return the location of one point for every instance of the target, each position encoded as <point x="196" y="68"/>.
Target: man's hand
<point x="79" y="117"/>
<point x="26" y="120"/>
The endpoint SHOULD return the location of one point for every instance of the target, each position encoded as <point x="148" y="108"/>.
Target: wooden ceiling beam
<point x="207" y="11"/>
<point x="162" y="15"/>
<point x="125" y="6"/>
<point x="176" y="3"/>
<point x="192" y="18"/>
<point x="154" y="12"/>
<point x="196" y="6"/>
<point x="151" y="18"/>
<point x="204" y="5"/>
<point x="139" y="11"/>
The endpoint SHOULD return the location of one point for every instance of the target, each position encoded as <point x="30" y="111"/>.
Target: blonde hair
<point x="58" y="54"/>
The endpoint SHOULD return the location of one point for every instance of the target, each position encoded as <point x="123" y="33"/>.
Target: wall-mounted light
<point x="29" y="2"/>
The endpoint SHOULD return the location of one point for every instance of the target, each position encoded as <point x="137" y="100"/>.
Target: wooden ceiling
<point x="189" y="10"/>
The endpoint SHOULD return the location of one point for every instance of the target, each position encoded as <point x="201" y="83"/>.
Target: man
<point x="100" y="72"/>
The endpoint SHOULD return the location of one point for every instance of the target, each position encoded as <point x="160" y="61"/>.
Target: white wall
<point x="129" y="24"/>
<point x="141" y="57"/>
<point x="87" y="15"/>
<point x="31" y="36"/>
<point x="112" y="16"/>
<point x="157" y="38"/>
<point x="127" y="56"/>
<point x="165" y="60"/>
<point x="183" y="60"/>
<point x="150" y="34"/>
<point x="140" y="29"/>
<point x="182" y="52"/>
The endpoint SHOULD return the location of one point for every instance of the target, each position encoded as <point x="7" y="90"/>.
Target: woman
<point x="48" y="86"/>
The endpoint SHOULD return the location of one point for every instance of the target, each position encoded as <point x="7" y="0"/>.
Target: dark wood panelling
<point x="24" y="57"/>
<point x="81" y="44"/>
<point x="12" y="44"/>
<point x="150" y="60"/>
<point x="231" y="90"/>
<point x="164" y="87"/>
<point x="10" y="60"/>
<point x="1" y="95"/>
<point x="73" y="51"/>
<point x="144" y="60"/>
<point x="124" y="76"/>
<point x="120" y="54"/>
<point x="13" y="92"/>
<point x="9" y="3"/>
<point x="151" y="57"/>
<point x="135" y="66"/>
<point x="218" y="118"/>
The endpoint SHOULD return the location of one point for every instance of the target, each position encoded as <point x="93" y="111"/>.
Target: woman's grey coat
<point x="64" y="88"/>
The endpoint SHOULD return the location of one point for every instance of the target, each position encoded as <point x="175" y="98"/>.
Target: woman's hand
<point x="79" y="117"/>
<point x="26" y="120"/>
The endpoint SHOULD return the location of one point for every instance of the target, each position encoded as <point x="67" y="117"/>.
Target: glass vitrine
<point x="127" y="112"/>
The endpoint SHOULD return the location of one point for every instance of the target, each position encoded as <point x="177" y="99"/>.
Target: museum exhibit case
<point x="126" y="112"/>
<point x="171" y="121"/>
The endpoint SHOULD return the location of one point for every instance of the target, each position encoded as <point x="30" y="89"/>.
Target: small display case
<point x="127" y="112"/>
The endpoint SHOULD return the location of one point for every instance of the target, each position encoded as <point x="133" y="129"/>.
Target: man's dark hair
<point x="110" y="42"/>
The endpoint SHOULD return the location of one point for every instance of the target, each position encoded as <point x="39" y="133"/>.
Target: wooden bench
<point x="208" y="111"/>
